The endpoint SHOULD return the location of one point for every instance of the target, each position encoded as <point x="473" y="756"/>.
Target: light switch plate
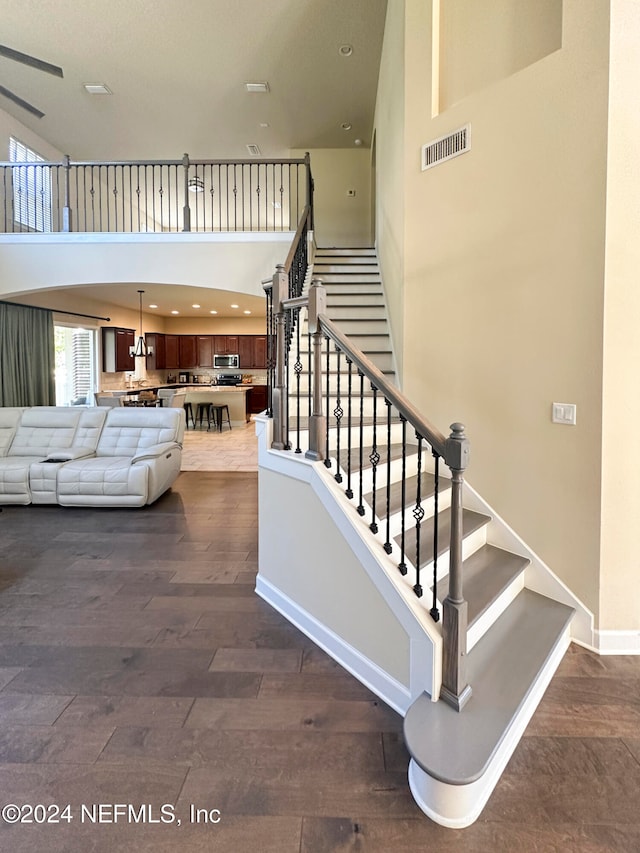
<point x="563" y="413"/>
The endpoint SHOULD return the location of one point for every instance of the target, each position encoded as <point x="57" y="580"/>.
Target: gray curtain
<point x="27" y="358"/>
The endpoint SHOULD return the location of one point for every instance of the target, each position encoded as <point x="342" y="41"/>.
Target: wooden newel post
<point x="455" y="689"/>
<point x="186" y="210"/>
<point x="280" y="290"/>
<point x="66" y="210"/>
<point x="318" y="422"/>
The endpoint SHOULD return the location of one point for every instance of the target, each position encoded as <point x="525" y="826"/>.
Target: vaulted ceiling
<point x="177" y="73"/>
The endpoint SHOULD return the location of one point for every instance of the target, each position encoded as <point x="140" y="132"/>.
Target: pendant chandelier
<point x="140" y="350"/>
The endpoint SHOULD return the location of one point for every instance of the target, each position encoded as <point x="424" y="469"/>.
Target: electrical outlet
<point x="563" y="413"/>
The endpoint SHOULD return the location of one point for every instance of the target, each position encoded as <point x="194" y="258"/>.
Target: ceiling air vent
<point x="253" y="150"/>
<point x="446" y="147"/>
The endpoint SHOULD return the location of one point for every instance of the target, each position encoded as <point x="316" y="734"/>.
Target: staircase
<point x="355" y="301"/>
<point x="521" y="618"/>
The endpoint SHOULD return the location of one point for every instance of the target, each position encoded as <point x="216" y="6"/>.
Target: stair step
<point x="427" y="490"/>
<point x="357" y="301"/>
<point x="357" y="313"/>
<point x="487" y="573"/>
<point x="396" y="453"/>
<point x="471" y="521"/>
<point x="345" y="269"/>
<point x="343" y="251"/>
<point x="341" y="278"/>
<point x="502" y="670"/>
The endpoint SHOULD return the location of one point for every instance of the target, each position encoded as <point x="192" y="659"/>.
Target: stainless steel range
<point x="229" y="379"/>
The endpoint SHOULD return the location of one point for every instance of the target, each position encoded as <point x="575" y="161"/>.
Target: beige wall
<point x="503" y="281"/>
<point x="390" y="166"/>
<point x="341" y="219"/>
<point x="487" y="40"/>
<point x="620" y="561"/>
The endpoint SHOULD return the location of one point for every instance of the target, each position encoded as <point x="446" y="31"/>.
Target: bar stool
<point x="202" y="410"/>
<point x="217" y="416"/>
<point x="188" y="411"/>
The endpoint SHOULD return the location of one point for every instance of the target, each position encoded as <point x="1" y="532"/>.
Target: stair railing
<point x="336" y="375"/>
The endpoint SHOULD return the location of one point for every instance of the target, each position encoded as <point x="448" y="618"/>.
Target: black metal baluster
<point x="137" y="192"/>
<point x="435" y="613"/>
<point x="161" y="194"/>
<point x="107" y="202"/>
<point x="115" y="198"/>
<point x="349" y="490"/>
<point x="338" y="412"/>
<point x="327" y="460"/>
<point x="361" y="449"/>
<point x="402" y="566"/>
<point x="130" y="199"/>
<point x="418" y="514"/>
<point x="374" y="458"/>
<point x="387" y="544"/>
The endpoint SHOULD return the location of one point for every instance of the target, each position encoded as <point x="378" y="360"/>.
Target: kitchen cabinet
<point x="245" y="350"/>
<point x="260" y="351"/>
<point x="158" y="359"/>
<point x="204" y="350"/>
<point x="172" y="353"/>
<point x="257" y="399"/>
<point x="187" y="351"/>
<point x="225" y="344"/>
<point x="116" y="343"/>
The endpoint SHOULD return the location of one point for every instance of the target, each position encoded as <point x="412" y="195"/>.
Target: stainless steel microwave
<point x="226" y="361"/>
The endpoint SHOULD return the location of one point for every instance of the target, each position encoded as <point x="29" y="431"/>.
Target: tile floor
<point x="233" y="449"/>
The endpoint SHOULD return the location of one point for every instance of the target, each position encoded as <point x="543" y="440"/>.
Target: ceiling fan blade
<point x="33" y="61"/>
<point x="21" y="103"/>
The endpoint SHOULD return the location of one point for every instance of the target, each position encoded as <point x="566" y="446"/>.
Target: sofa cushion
<point x="14" y="479"/>
<point x="130" y="430"/>
<point x="9" y="420"/>
<point x="102" y="481"/>
<point x="43" y="429"/>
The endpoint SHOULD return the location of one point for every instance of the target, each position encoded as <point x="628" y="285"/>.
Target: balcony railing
<point x="154" y="196"/>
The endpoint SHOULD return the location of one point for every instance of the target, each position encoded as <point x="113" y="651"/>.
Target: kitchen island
<point x="234" y="396"/>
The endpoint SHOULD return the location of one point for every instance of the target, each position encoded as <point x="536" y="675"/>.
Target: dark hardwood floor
<point x="137" y="666"/>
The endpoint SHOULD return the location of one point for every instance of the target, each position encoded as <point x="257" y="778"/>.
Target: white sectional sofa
<point x="77" y="456"/>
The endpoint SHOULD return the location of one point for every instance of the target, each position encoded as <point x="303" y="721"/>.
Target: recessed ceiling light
<point x="175" y="312"/>
<point x="246" y="312"/>
<point x="97" y="89"/>
<point x="257" y="87"/>
<point x="357" y="142"/>
<point x="264" y="124"/>
<point x="213" y="312"/>
<point x="346" y="125"/>
<point x="235" y="306"/>
<point x="153" y="306"/>
<point x="195" y="305"/>
<point x="345" y="50"/>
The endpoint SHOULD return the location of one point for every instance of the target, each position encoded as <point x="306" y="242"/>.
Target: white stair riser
<point x="496" y="608"/>
<point x="321" y="269"/>
<point x="470" y="544"/>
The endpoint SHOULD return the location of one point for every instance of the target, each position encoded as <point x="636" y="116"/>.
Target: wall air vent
<point x="446" y="147"/>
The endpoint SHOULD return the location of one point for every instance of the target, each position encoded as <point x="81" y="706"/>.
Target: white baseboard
<point x="617" y="642"/>
<point x="391" y="691"/>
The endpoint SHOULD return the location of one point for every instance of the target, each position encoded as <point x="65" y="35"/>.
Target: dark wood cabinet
<point x="158" y="359"/>
<point x="257" y="399"/>
<point x="225" y="344"/>
<point x="245" y="350"/>
<point x="172" y="353"/>
<point x="204" y="350"/>
<point x="260" y="351"/>
<point x="187" y="351"/>
<point x="116" y="343"/>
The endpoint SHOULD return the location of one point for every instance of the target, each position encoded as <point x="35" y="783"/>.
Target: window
<point x="31" y="188"/>
<point x="76" y="378"/>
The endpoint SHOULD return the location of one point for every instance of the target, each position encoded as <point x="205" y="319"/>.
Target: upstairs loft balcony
<point x="162" y="197"/>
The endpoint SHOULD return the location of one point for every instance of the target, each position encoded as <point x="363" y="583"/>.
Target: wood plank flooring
<point x="137" y="666"/>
